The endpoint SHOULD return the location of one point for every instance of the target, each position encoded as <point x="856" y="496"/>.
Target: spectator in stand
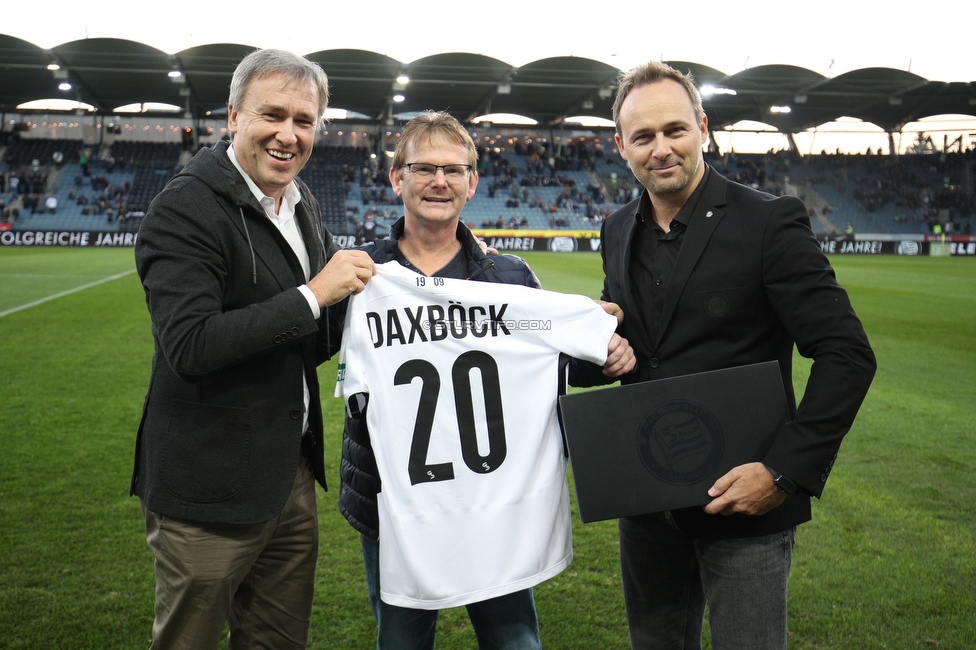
<point x="51" y="204"/>
<point x="369" y="228"/>
<point x="32" y="203"/>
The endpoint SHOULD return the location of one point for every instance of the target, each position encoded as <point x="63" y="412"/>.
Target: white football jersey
<point x="462" y="379"/>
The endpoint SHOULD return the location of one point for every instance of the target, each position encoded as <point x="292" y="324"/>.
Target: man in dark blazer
<point x="711" y="274"/>
<point x="238" y="273"/>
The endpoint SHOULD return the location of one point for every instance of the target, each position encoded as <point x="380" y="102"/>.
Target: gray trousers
<point x="668" y="578"/>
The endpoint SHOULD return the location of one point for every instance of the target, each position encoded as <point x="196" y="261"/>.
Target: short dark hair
<point x="431" y="123"/>
<point x="652" y="72"/>
<point x="261" y="63"/>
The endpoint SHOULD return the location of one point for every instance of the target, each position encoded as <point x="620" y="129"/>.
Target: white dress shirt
<point x="284" y="221"/>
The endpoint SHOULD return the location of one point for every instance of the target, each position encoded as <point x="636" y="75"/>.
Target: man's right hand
<point x="345" y="274"/>
<point x="620" y="357"/>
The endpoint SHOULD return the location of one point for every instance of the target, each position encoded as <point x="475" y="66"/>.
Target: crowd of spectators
<point x="372" y="181"/>
<point x="544" y="168"/>
<point x="25" y="187"/>
<point x="541" y="159"/>
<point x="513" y="223"/>
<point x="375" y="224"/>
<point x="933" y="191"/>
<point x="26" y="181"/>
<point x="929" y="190"/>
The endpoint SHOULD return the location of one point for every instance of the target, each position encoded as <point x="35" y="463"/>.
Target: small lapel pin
<point x="708" y="214"/>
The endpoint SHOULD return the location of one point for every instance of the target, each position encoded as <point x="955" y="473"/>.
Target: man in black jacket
<point x="711" y="274"/>
<point x="239" y="274"/>
<point x="434" y="172"/>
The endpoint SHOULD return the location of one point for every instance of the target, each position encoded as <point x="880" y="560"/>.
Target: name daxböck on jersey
<point x="425" y="323"/>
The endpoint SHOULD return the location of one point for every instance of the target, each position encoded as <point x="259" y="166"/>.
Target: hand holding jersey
<point x="462" y="379"/>
<point x="346" y="273"/>
<point x="620" y="356"/>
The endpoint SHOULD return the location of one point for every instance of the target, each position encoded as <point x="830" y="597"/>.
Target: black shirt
<point x="654" y="253"/>
<point x="457" y="268"/>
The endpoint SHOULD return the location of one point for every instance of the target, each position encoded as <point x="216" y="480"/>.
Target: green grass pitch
<point x="889" y="560"/>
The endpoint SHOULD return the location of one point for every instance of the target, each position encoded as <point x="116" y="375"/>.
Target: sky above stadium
<point x="931" y="38"/>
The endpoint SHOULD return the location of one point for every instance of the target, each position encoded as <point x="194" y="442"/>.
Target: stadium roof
<point x="109" y="72"/>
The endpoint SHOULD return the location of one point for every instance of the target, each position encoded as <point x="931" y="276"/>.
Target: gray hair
<point x="651" y="72"/>
<point x="261" y="63"/>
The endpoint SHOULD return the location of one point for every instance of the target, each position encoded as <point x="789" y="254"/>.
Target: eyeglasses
<point x="427" y="171"/>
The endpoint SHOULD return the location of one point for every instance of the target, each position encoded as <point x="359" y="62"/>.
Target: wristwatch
<point x="782" y="482"/>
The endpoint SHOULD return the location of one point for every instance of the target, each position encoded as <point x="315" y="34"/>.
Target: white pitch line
<point x="66" y="293"/>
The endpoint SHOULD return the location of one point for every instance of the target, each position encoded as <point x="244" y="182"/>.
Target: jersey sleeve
<point x="573" y="324"/>
<point x="351" y="375"/>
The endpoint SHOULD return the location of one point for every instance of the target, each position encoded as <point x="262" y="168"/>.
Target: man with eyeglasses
<point x="434" y="172"/>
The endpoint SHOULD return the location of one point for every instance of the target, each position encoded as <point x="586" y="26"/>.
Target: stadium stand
<point x="329" y="174"/>
<point x="104" y="191"/>
<point x="525" y="183"/>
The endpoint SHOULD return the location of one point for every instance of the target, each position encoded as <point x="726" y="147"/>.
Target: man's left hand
<point x="613" y="309"/>
<point x="748" y="489"/>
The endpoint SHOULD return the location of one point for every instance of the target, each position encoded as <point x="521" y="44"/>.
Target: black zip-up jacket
<point x="221" y="427"/>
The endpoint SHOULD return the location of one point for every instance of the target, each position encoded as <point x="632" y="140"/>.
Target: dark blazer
<point x="749" y="282"/>
<point x="221" y="428"/>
